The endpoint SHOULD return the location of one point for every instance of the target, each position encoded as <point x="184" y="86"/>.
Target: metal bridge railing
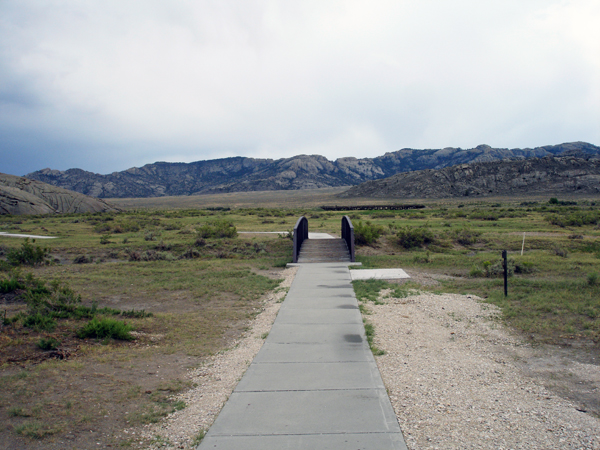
<point x="348" y="235"/>
<point x="300" y="234"/>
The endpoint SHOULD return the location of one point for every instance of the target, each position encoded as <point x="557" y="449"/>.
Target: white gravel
<point x="451" y="375"/>
<point x="450" y="370"/>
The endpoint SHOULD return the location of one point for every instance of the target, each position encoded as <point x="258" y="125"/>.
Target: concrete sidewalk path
<point x="314" y="384"/>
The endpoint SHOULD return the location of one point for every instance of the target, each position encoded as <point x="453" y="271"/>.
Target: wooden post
<point x="505" y="263"/>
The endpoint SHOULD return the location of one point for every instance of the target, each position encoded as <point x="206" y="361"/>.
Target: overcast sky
<point x="111" y="84"/>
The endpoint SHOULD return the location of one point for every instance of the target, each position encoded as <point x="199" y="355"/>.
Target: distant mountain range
<point x="299" y="172"/>
<point x="550" y="175"/>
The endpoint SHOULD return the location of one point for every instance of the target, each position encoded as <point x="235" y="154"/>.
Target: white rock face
<point x="20" y="195"/>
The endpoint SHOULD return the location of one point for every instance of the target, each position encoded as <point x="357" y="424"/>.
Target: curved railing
<point x="300" y="234"/>
<point x="348" y="235"/>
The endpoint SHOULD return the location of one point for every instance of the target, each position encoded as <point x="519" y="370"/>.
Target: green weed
<point x="106" y="328"/>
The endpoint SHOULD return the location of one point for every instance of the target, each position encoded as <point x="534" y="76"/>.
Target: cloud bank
<point x="107" y="85"/>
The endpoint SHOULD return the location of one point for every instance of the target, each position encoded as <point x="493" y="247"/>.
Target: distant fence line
<point x="370" y="207"/>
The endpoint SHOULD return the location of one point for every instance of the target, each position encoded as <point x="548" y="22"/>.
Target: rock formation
<point x="20" y="195"/>
<point x="548" y="175"/>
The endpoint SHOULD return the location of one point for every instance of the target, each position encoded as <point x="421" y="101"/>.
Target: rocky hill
<point x="20" y="195"/>
<point x="300" y="172"/>
<point x="549" y="175"/>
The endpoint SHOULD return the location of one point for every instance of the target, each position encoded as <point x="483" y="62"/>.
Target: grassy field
<point x="176" y="273"/>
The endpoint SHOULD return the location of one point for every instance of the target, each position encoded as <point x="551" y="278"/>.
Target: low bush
<point x="82" y="259"/>
<point x="466" y="236"/>
<point x="383" y="215"/>
<point x="106" y="328"/>
<point x="39" y="322"/>
<point x="559" y="251"/>
<point x="574" y="219"/>
<point x="28" y="254"/>
<point x="48" y="343"/>
<point x="367" y="233"/>
<point x="415" y="237"/>
<point x="222" y="228"/>
<point x="57" y="299"/>
<point x="10" y="284"/>
<point x="496" y="269"/>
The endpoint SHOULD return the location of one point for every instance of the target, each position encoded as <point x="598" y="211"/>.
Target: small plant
<point x="191" y="253"/>
<point x="559" y="251"/>
<point x="82" y="259"/>
<point x="106" y="328"/>
<point x="466" y="236"/>
<point x="593" y="279"/>
<point x="423" y="259"/>
<point x="198" y="438"/>
<point x="415" y="237"/>
<point x="48" y="343"/>
<point x="11" y="284"/>
<point x="105" y="239"/>
<point x="39" y="322"/>
<point x="220" y="228"/>
<point x="139" y="314"/>
<point x="367" y="233"/>
<point x="28" y="254"/>
<point x="150" y="236"/>
<point x="370" y="333"/>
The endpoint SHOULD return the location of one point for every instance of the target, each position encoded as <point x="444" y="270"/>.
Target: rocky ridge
<point x="20" y="195"/>
<point x="241" y="174"/>
<point x="549" y="175"/>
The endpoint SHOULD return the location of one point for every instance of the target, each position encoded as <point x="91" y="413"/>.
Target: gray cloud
<point x="106" y="85"/>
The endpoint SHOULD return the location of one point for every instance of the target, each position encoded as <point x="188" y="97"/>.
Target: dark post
<point x="505" y="265"/>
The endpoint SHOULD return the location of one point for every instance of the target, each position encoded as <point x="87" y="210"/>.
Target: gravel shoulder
<point x="454" y="378"/>
<point x="457" y="379"/>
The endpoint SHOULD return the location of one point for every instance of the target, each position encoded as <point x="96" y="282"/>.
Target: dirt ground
<point x="84" y="394"/>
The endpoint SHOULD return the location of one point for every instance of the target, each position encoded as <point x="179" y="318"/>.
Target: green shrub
<point x="106" y="328"/>
<point x="466" y="236"/>
<point x="82" y="259"/>
<point x="48" y="343"/>
<point x="39" y="322"/>
<point x="484" y="215"/>
<point x="10" y="284"/>
<point x="58" y="299"/>
<point x="414" y="237"/>
<point x="383" y="215"/>
<point x="493" y="270"/>
<point x="423" y="259"/>
<point x="222" y="228"/>
<point x="574" y="219"/>
<point x="367" y="233"/>
<point x="593" y="279"/>
<point x="28" y="254"/>
<point x="559" y="251"/>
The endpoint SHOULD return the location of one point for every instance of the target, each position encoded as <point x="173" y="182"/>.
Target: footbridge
<point x="314" y="384"/>
<point x="320" y="249"/>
